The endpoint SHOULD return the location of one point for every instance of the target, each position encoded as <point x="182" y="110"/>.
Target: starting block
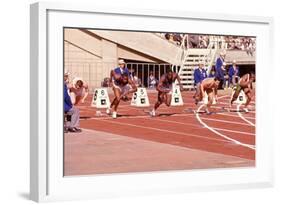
<point x="205" y="99"/>
<point x="140" y="98"/>
<point x="241" y="98"/>
<point x="100" y="98"/>
<point x="176" y="96"/>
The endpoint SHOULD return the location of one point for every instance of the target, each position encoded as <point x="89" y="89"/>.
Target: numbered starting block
<point x="205" y="99"/>
<point x="100" y="98"/>
<point x="140" y="98"/>
<point x="241" y="98"/>
<point x="176" y="96"/>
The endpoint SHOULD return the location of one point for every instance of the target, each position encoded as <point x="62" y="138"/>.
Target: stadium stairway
<point x="191" y="61"/>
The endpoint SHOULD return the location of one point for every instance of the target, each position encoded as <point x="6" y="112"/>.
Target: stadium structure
<point x="91" y="54"/>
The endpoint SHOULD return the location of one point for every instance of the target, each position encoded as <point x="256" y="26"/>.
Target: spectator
<point x="135" y="78"/>
<point x="152" y="80"/>
<point x="226" y="80"/>
<point x="220" y="68"/>
<point x="73" y="112"/>
<point x="250" y="48"/>
<point x="199" y="75"/>
<point x="204" y="41"/>
<point x="231" y="45"/>
<point x="193" y="41"/>
<point x="105" y="82"/>
<point x="167" y="36"/>
<point x="78" y="91"/>
<point x="233" y="74"/>
<point x="237" y="44"/>
<point x="171" y="37"/>
<point x="66" y="77"/>
<point x="177" y="38"/>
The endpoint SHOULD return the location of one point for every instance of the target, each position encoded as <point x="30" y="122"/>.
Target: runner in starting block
<point x="121" y="88"/>
<point x="165" y="89"/>
<point x="245" y="84"/>
<point x="210" y="86"/>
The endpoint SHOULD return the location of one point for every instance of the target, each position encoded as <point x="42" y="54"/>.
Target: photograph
<point x="155" y="101"/>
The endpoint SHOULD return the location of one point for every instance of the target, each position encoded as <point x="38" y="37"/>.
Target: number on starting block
<point x="176" y="96"/>
<point x="241" y="98"/>
<point x="100" y="98"/>
<point x="140" y="98"/>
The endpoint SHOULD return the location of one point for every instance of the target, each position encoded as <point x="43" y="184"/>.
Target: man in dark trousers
<point x="220" y="68"/>
<point x="233" y="74"/>
<point x="199" y="75"/>
<point x="72" y="112"/>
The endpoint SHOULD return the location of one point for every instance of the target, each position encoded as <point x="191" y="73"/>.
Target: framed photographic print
<point x="132" y="102"/>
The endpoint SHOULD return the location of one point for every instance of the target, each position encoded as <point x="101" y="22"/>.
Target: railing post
<point x="148" y="70"/>
<point x="154" y="70"/>
<point x="137" y="73"/>
<point x="89" y="75"/>
<point x="142" y="82"/>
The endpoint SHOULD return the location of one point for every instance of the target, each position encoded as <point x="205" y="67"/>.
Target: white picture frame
<point x="46" y="178"/>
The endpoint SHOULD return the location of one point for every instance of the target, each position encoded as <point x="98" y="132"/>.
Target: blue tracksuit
<point x="67" y="104"/>
<point x="119" y="71"/>
<point x="219" y="71"/>
<point x="231" y="72"/>
<point x="199" y="75"/>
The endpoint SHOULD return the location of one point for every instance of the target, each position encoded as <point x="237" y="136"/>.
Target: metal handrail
<point x="182" y="54"/>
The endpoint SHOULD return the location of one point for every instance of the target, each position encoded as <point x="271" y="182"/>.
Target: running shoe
<point x="245" y="110"/>
<point x="108" y="111"/>
<point x="114" y="115"/>
<point x="152" y="113"/>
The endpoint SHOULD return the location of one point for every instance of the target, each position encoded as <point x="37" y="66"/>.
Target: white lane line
<point x="225" y="121"/>
<point x="105" y="116"/>
<point x="227" y="103"/>
<point x="233" y="131"/>
<point x="226" y="114"/>
<point x="220" y="129"/>
<point x="162" y="130"/>
<point x="222" y="135"/>
<point x="243" y="118"/>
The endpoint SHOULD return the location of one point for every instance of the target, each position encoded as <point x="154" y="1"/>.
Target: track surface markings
<point x="220" y="134"/>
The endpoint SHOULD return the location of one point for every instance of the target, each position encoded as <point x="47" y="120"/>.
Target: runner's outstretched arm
<point x="134" y="88"/>
<point x="159" y="87"/>
<point x="114" y="75"/>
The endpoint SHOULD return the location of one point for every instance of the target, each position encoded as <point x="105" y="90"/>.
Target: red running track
<point x="223" y="132"/>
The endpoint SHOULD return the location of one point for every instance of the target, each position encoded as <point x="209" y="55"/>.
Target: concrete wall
<point x="88" y="57"/>
<point x="91" y="57"/>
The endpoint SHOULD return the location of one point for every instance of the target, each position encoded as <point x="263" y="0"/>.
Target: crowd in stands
<point x="247" y="44"/>
<point x="194" y="41"/>
<point x="241" y="43"/>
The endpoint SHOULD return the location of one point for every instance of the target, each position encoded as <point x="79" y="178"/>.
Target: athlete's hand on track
<point x="216" y="98"/>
